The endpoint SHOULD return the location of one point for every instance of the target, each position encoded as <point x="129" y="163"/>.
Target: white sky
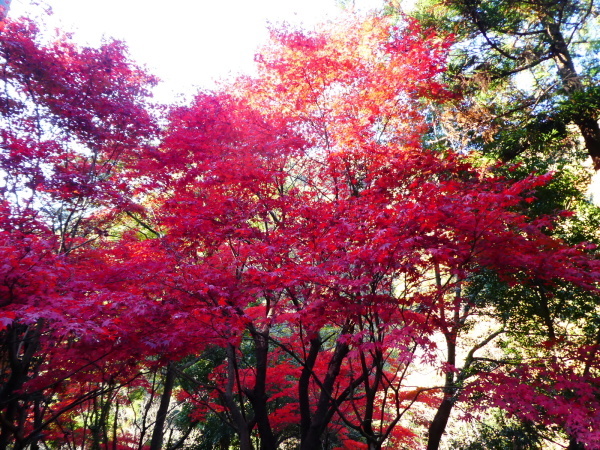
<point x="187" y="43"/>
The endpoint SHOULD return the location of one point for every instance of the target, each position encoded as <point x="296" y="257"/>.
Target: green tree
<point x="526" y="69"/>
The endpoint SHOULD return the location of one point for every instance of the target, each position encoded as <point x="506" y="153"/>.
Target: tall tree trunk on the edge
<point x="21" y="344"/>
<point x="585" y="121"/>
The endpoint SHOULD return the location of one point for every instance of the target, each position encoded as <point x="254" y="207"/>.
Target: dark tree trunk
<point x="574" y="445"/>
<point x="163" y="409"/>
<point x="326" y="404"/>
<point x="258" y="396"/>
<point x="588" y="126"/>
<point x="440" y="420"/>
<point x="571" y="82"/>
<point x="239" y="421"/>
<point x="374" y="440"/>
<point x="20" y="346"/>
<point x="438" y="425"/>
<point x="303" y="386"/>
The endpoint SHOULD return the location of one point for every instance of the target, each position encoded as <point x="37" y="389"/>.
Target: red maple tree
<point x="289" y="255"/>
<point x="301" y="213"/>
<point x="72" y="118"/>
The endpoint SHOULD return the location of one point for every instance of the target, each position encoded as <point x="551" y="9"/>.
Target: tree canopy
<point x="279" y="263"/>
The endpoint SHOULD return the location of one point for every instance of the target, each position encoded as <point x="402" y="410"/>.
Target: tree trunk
<point x="440" y="420"/>
<point x="258" y="396"/>
<point x="163" y="409"/>
<point x="438" y="425"/>
<point x="239" y="421"/>
<point x="303" y="386"/>
<point x="20" y="345"/>
<point x="374" y="440"/>
<point x="574" y="445"/>
<point x="320" y="419"/>
<point x="585" y="121"/>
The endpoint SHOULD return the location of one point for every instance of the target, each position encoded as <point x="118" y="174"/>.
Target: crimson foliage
<point x="295" y="256"/>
